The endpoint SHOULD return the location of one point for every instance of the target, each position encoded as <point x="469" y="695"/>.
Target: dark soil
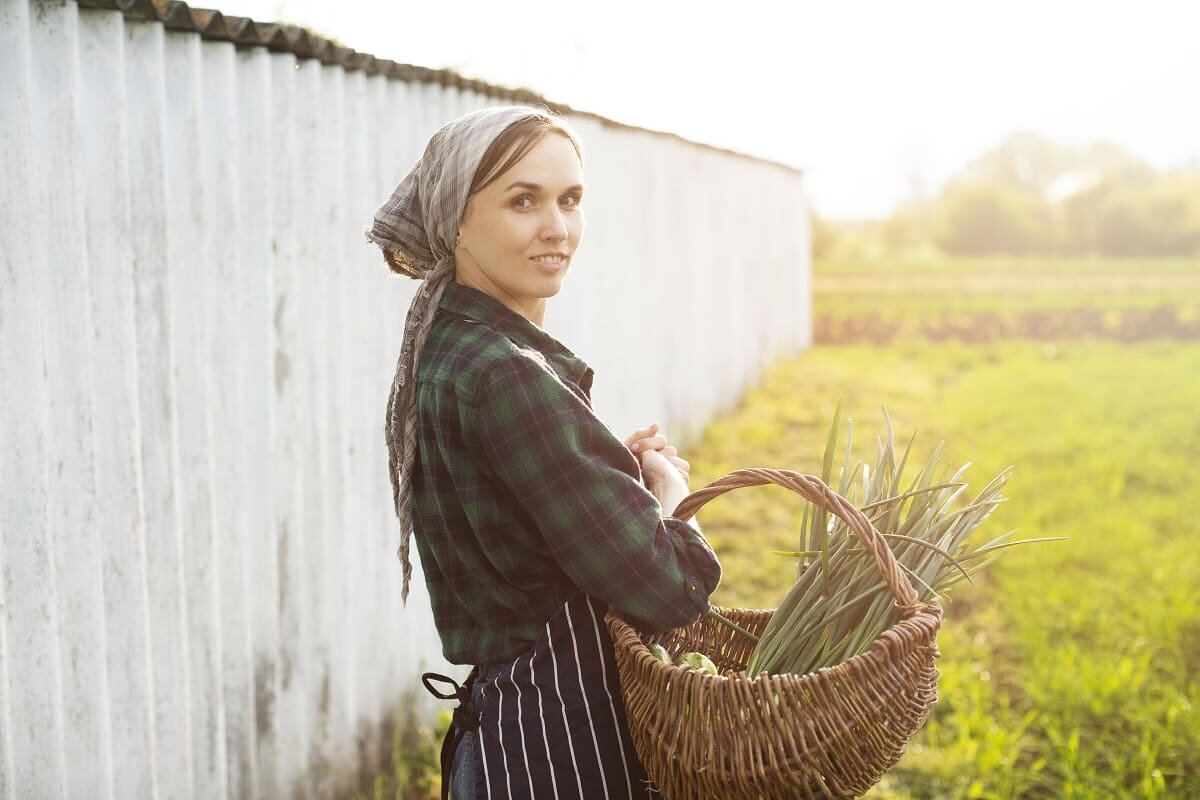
<point x="1127" y="325"/>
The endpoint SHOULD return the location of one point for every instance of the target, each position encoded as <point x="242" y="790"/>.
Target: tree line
<point x="1033" y="197"/>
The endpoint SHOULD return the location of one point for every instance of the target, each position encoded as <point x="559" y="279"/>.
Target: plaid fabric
<point x="523" y="496"/>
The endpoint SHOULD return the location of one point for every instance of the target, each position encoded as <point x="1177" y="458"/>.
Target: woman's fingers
<point x="642" y="433"/>
<point x="680" y="464"/>
<point x="642" y="440"/>
<point x="650" y="443"/>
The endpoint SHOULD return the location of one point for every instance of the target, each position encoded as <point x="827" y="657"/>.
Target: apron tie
<point x="465" y="718"/>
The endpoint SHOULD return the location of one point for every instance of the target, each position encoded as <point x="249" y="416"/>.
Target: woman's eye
<point x="570" y="201"/>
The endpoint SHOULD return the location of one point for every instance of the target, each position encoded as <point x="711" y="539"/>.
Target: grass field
<point x="993" y="300"/>
<point x="1070" y="669"/>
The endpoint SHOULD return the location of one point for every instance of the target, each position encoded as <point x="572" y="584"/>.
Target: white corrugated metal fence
<point x="200" y="592"/>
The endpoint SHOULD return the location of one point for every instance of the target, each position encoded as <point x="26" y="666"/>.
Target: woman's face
<point x="520" y="232"/>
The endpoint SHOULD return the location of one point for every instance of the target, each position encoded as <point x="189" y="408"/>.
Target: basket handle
<point x="812" y="488"/>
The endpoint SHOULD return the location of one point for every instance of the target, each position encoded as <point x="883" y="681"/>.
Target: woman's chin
<point x="550" y="285"/>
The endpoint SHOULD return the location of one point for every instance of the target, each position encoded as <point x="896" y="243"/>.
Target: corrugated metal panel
<point x="32" y="713"/>
<point x="200" y="595"/>
<point x="251" y="299"/>
<point x="284" y="38"/>
<point x="119" y="524"/>
<point x="156" y="444"/>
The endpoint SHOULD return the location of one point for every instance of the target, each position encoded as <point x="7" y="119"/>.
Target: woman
<point x="531" y="517"/>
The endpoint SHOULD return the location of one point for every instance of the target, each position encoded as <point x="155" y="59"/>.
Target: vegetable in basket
<point x="840" y="604"/>
<point x="697" y="661"/>
<point x="660" y="652"/>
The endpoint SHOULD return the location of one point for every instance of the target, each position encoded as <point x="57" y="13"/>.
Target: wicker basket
<point x="830" y="733"/>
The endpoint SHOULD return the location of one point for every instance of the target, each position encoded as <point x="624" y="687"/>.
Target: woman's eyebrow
<point x="537" y="187"/>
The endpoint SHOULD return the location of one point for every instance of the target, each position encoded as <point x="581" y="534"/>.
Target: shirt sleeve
<point x="582" y="488"/>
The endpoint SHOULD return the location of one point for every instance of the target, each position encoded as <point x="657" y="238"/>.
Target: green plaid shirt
<point x="523" y="496"/>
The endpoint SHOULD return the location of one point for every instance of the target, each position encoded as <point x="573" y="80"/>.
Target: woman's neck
<point x="533" y="309"/>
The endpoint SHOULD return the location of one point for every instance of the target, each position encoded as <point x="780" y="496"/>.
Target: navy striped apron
<point x="551" y="723"/>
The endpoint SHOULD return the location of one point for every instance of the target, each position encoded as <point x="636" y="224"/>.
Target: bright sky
<point x="876" y="101"/>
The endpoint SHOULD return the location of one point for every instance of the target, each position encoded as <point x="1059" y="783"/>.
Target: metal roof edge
<point x="245" y="32"/>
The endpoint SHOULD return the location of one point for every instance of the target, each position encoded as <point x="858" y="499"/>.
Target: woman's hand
<point x="648" y="438"/>
<point x="647" y="432"/>
<point x="664" y="480"/>
<point x="665" y="473"/>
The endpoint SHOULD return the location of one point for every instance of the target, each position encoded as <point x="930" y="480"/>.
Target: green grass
<point x="893" y="305"/>
<point x="1070" y="670"/>
<point x="1001" y="298"/>
<point x="1032" y="267"/>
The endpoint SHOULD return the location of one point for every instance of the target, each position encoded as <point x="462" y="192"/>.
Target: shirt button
<point x="692" y="586"/>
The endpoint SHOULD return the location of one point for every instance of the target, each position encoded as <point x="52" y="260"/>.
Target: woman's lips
<point x="551" y="265"/>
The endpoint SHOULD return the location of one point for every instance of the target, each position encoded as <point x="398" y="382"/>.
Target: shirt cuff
<point x="698" y="559"/>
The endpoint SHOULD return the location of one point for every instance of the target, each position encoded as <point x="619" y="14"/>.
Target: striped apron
<point x="551" y="723"/>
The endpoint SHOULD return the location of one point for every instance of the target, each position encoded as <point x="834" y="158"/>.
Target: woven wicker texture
<point x="831" y="733"/>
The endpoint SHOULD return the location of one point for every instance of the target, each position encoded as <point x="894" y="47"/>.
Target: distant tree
<point x="824" y="237"/>
<point x="990" y="219"/>
<point x="1158" y="219"/>
<point x="1032" y="196"/>
<point x="910" y="228"/>
<point x="1078" y="219"/>
<point x="1029" y="162"/>
<point x="1023" y="161"/>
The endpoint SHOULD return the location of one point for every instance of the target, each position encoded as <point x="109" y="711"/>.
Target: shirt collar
<point x="471" y="303"/>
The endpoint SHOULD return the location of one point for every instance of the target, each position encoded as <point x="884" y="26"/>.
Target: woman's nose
<point x="556" y="226"/>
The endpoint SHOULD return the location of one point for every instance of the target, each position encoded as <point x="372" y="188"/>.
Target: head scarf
<point x="417" y="228"/>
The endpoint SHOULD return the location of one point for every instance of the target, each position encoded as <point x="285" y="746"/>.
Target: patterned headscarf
<point x="417" y="228"/>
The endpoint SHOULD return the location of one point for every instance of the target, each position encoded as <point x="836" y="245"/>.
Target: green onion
<point x="839" y="604"/>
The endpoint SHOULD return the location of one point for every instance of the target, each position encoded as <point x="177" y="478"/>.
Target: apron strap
<point x="465" y="718"/>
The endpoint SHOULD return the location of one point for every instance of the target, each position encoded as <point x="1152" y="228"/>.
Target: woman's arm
<point x="582" y="487"/>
